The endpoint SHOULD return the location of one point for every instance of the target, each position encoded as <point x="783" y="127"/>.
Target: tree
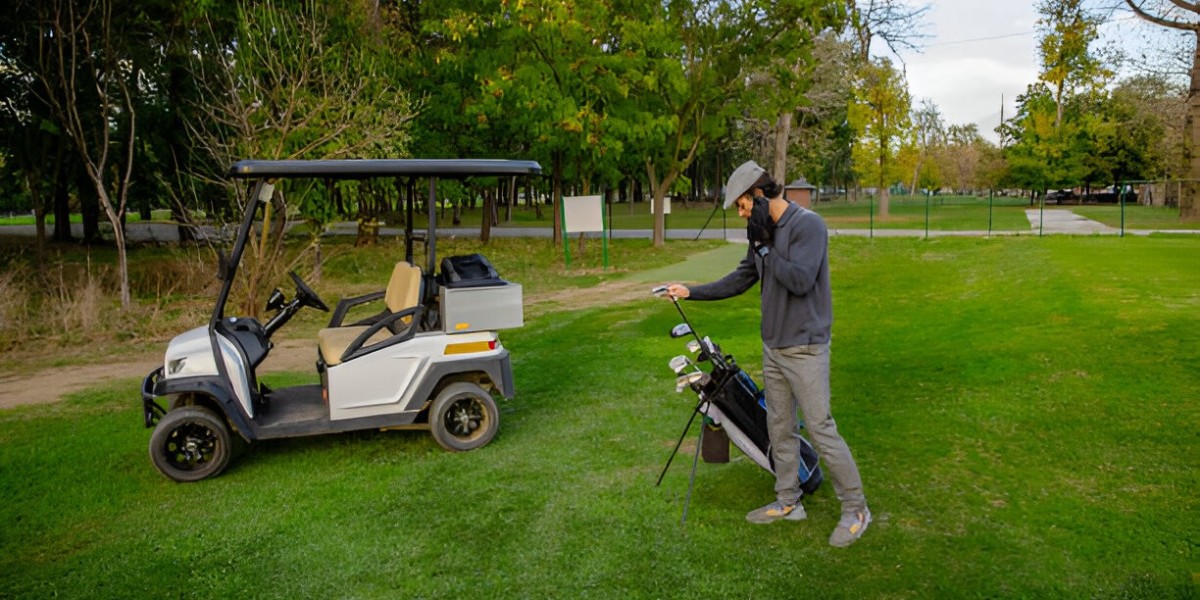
<point x="1182" y="16"/>
<point x="928" y="134"/>
<point x="302" y="82"/>
<point x="896" y="22"/>
<point x="963" y="159"/>
<point x="692" y="61"/>
<point x="88" y="81"/>
<point x="1068" y="64"/>
<point x="1044" y="154"/>
<point x="880" y="116"/>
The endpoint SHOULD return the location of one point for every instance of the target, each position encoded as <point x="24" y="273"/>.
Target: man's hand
<point x="760" y="228"/>
<point x="672" y="291"/>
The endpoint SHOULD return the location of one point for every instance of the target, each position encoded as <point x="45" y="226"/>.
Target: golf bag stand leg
<point x="686" y="428"/>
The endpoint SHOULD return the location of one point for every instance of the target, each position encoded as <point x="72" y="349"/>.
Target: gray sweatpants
<point x="798" y="377"/>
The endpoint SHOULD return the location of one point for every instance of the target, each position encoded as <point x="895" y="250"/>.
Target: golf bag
<point x="730" y="399"/>
<point x="736" y="404"/>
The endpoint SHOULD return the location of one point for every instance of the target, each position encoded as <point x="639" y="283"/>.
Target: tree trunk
<point x="485" y="227"/>
<point x="783" y="130"/>
<point x="62" y="195"/>
<point x="1188" y="210"/>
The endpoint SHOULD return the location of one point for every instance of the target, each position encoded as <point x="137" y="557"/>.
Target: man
<point x="788" y="253"/>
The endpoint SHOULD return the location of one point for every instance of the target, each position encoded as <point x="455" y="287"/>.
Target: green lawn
<point x="1023" y="411"/>
<point x="1136" y="216"/>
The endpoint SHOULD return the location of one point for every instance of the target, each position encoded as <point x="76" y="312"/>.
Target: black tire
<point x="463" y="417"/>
<point x="190" y="443"/>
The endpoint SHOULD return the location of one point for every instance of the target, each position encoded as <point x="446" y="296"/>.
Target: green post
<point x="927" y="197"/>
<point x="871" y="216"/>
<point x="1042" y="214"/>
<point x="566" y="236"/>
<point x="991" y="194"/>
<point x="604" y="234"/>
<point x="1121" y="199"/>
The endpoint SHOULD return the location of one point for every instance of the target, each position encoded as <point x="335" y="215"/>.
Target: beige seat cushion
<point x="403" y="292"/>
<point x="332" y="341"/>
<point x="404" y="288"/>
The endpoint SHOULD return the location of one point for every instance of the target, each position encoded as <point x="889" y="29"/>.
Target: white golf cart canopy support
<point x="267" y="171"/>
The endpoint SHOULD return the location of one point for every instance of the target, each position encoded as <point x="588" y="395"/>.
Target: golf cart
<point x="431" y="358"/>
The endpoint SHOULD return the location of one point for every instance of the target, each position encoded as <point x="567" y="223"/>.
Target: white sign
<point x="583" y="214"/>
<point x="666" y="205"/>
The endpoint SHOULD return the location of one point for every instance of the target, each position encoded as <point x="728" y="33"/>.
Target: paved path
<point x="1064" y="221"/>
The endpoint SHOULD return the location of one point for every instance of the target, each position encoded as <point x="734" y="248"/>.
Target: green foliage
<point x="880" y="116"/>
<point x="1003" y="400"/>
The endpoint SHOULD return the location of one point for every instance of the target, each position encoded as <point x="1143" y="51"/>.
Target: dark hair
<point x="768" y="186"/>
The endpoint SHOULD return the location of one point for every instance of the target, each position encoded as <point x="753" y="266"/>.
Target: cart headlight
<point x="175" y="366"/>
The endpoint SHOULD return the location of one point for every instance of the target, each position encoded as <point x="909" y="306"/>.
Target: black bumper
<point x="150" y="409"/>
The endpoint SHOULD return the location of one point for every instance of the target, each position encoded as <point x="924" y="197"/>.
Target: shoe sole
<point x="764" y="519"/>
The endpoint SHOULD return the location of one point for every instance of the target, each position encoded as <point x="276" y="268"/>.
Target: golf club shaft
<point x="679" y="308"/>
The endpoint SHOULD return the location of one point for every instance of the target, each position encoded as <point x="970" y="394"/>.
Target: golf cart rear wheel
<point x="190" y="443"/>
<point x="463" y="417"/>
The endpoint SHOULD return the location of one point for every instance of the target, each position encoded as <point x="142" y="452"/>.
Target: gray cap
<point x="742" y="179"/>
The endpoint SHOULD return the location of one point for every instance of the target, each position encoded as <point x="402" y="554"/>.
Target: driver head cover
<point x="742" y="179"/>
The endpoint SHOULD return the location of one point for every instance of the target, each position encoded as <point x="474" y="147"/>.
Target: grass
<point x="1025" y="423"/>
<point x="1136" y="216"/>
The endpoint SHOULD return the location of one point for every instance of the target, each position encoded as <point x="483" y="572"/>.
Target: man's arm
<point x="808" y="242"/>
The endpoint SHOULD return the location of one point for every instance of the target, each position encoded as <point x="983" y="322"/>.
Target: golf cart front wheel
<point x="464" y="417"/>
<point x="190" y="443"/>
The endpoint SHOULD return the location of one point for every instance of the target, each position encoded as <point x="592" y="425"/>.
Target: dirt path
<point x="50" y="385"/>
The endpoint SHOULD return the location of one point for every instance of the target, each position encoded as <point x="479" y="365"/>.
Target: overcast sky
<point x="979" y="51"/>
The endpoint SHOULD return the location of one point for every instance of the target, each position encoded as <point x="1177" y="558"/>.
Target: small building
<point x="800" y="191"/>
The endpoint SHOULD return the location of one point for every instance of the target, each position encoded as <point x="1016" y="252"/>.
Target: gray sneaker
<point x="775" y="511"/>
<point x="850" y="528"/>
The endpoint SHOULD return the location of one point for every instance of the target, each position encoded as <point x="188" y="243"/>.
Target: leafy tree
<point x="1045" y="154"/>
<point x="303" y="82"/>
<point x="963" y="160"/>
<point x="1068" y="64"/>
<point x="693" y="59"/>
<point x="1182" y="16"/>
<point x="880" y="116"/>
<point x="898" y="23"/>
<point x="85" y="75"/>
<point x="928" y="136"/>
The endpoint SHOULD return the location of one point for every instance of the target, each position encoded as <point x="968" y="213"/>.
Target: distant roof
<point x="393" y="167"/>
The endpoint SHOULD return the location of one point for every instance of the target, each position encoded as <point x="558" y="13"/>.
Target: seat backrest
<point x="404" y="288"/>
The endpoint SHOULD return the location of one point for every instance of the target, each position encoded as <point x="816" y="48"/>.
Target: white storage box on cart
<point x="484" y="308"/>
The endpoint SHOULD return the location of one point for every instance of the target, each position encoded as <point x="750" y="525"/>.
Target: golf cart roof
<point x="389" y="167"/>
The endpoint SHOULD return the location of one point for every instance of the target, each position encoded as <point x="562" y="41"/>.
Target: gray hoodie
<point x="797" y="306"/>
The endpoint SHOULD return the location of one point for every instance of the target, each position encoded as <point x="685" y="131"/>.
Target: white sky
<point x="978" y="51"/>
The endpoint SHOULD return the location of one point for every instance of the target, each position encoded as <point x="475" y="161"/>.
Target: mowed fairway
<point x="1023" y="411"/>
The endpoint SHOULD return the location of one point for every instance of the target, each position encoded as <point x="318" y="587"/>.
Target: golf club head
<point x="681" y="330"/>
<point x="693" y="346"/>
<point x="679" y="363"/>
<point x="684" y="381"/>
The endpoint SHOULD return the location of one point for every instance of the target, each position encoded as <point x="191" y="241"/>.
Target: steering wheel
<point x="306" y="295"/>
